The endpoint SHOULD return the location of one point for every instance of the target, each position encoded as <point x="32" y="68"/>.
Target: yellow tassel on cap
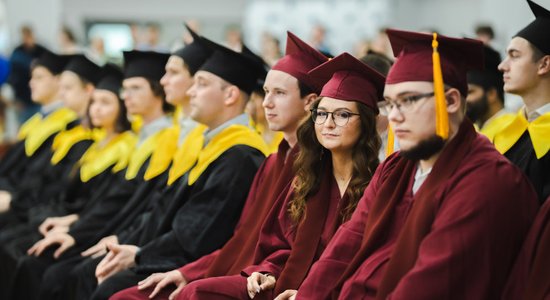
<point x="391" y="141"/>
<point x="441" y="115"/>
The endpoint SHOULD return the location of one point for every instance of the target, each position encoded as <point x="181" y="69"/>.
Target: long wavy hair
<point x="313" y="159"/>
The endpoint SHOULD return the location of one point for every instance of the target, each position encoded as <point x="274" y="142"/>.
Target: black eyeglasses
<point x="340" y="117"/>
<point x="403" y="104"/>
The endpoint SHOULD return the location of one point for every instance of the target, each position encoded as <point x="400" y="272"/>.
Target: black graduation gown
<point x="15" y="162"/>
<point x="34" y="180"/>
<point x="75" y="199"/>
<point x="40" y="190"/>
<point x="188" y="222"/>
<point x="104" y="200"/>
<point x="59" y="280"/>
<point x="523" y="155"/>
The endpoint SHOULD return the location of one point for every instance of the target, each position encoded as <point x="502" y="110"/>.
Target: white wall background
<point x="458" y="18"/>
<point x="43" y="15"/>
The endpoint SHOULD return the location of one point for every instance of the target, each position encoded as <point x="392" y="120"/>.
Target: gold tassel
<point x="391" y="141"/>
<point x="441" y="114"/>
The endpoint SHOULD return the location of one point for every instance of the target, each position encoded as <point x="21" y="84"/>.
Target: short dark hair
<point x="158" y="91"/>
<point x="377" y="61"/>
<point x="304" y="89"/>
<point x="537" y="53"/>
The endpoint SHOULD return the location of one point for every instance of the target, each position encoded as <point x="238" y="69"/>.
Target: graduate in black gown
<point x="197" y="212"/>
<point x="180" y="67"/>
<point x="526" y="138"/>
<point x="143" y="96"/>
<point x="37" y="134"/>
<point x="45" y="181"/>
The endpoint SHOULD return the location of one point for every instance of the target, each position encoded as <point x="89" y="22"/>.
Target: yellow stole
<point x="36" y="130"/>
<point x="231" y="136"/>
<point x="145" y="150"/>
<point x="165" y="147"/>
<point x="116" y="154"/>
<point x="65" y="140"/>
<point x="495" y="125"/>
<point x="187" y="153"/>
<point x="539" y="131"/>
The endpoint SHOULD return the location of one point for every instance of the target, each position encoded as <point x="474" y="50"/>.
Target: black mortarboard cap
<point x="111" y="79"/>
<point x="83" y="67"/>
<point x="537" y="32"/>
<point x="147" y="64"/>
<point x="51" y="61"/>
<point x="196" y="53"/>
<point x="236" y="68"/>
<point x="262" y="74"/>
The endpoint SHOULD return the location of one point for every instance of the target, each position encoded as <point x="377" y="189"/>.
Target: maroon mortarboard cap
<point x="83" y="67"/>
<point x="147" y="64"/>
<point x="414" y="51"/>
<point x="537" y="31"/>
<point x="299" y="59"/>
<point x="196" y="53"/>
<point x="347" y="78"/>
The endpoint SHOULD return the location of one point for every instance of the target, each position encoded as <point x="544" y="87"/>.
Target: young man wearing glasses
<point x="433" y="222"/>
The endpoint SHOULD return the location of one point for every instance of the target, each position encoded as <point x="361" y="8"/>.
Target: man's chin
<point x="424" y="149"/>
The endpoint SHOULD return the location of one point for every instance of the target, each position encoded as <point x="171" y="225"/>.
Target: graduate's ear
<point x="89" y="89"/>
<point x="232" y="94"/>
<point x="454" y="101"/>
<point x="308" y="100"/>
<point x="544" y="65"/>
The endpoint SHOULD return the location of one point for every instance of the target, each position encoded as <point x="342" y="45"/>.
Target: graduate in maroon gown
<point x="443" y="218"/>
<point x="289" y="92"/>
<point x="530" y="277"/>
<point x="338" y="155"/>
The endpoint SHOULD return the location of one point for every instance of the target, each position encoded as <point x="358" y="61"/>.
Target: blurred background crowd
<point x="102" y="29"/>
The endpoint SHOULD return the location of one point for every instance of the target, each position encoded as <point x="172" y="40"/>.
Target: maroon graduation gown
<point x="281" y="241"/>
<point x="481" y="213"/>
<point x="530" y="277"/>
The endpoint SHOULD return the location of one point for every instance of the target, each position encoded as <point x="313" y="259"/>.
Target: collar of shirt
<point x="532" y="116"/>
<point x="419" y="178"/>
<point x="241" y="119"/>
<point x="186" y="125"/>
<point x="149" y="129"/>
<point x="49" y="108"/>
